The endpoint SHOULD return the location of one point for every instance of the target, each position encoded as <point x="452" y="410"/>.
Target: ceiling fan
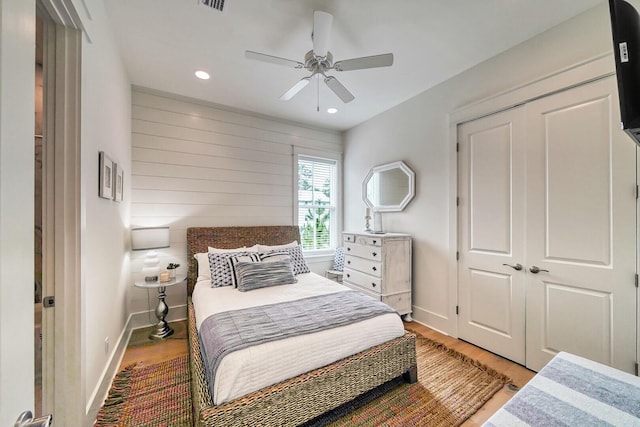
<point x="319" y="60"/>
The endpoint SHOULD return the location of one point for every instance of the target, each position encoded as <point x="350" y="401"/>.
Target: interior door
<point x="491" y="276"/>
<point x="580" y="229"/>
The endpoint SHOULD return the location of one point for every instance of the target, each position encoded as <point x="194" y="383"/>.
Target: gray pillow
<point x="255" y="275"/>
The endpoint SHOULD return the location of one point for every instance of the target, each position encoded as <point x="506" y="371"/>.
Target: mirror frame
<point x="410" y="193"/>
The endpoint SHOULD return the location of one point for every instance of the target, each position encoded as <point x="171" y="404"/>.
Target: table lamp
<point x="150" y="238"/>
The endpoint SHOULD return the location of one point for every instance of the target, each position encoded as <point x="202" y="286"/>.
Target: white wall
<point x="417" y="132"/>
<point x="198" y="164"/>
<point x="105" y="126"/>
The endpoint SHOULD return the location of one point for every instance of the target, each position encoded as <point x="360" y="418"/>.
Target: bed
<point x="573" y="391"/>
<point x="291" y="400"/>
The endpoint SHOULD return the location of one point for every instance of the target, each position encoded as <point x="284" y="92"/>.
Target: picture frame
<point x="118" y="183"/>
<point x="105" y="177"/>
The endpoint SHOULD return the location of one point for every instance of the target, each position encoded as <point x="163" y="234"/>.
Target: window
<point x="317" y="202"/>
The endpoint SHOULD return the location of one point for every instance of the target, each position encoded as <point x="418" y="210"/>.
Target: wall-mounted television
<point x="625" y="29"/>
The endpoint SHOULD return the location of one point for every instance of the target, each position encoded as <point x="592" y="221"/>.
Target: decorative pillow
<point x="267" y="248"/>
<point x="338" y="259"/>
<point x="274" y="256"/>
<point x="297" y="259"/>
<point x="255" y="275"/>
<point x="220" y="269"/>
<point x="234" y="260"/>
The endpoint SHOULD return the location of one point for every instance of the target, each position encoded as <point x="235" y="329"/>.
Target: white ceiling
<point x="164" y="41"/>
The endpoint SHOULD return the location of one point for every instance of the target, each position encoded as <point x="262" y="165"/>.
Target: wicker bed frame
<point x="300" y="399"/>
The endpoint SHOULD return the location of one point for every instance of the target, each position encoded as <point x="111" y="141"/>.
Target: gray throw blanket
<point x="226" y="332"/>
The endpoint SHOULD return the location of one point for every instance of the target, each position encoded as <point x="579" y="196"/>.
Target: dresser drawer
<point x="368" y="240"/>
<point x="362" y="280"/>
<point x="348" y="238"/>
<point x="364" y="265"/>
<point x="373" y="253"/>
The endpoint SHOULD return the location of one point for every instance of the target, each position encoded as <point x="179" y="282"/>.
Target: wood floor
<point x="145" y="351"/>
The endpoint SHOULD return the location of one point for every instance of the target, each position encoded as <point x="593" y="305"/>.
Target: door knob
<point x="535" y="269"/>
<point x="26" y="420"/>
<point x="516" y="267"/>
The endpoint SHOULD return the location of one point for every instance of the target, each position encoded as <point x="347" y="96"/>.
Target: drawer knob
<point x="374" y="242"/>
<point x="348" y="249"/>
<point x="373" y="284"/>
<point x="374" y="254"/>
<point x="348" y="275"/>
<point x="374" y="269"/>
<point x="349" y="262"/>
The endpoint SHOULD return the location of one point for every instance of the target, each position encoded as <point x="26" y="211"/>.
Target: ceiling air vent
<point x="213" y="4"/>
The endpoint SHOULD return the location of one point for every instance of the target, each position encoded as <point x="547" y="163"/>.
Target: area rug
<point x="451" y="387"/>
<point x="152" y="395"/>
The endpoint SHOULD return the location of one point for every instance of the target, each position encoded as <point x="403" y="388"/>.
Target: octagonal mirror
<point x="389" y="187"/>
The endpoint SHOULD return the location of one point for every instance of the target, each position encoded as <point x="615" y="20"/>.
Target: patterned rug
<point x="451" y="387"/>
<point x="153" y="395"/>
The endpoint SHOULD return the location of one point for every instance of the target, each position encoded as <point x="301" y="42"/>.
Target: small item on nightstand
<point x="165" y="276"/>
<point x="171" y="268"/>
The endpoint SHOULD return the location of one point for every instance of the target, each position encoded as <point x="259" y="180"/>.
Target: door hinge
<point x="457" y="201"/>
<point x="457" y="309"/>
<point x="637" y="191"/>
<point x="457" y="256"/>
<point x="48" y="302"/>
<point x="636" y="369"/>
<point x="636" y="280"/>
<point x="457" y="147"/>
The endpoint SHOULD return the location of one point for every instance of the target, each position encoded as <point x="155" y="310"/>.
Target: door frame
<point x="62" y="328"/>
<point x="596" y="68"/>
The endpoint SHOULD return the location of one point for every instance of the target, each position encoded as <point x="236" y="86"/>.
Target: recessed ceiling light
<point x="332" y="110"/>
<point x="202" y="75"/>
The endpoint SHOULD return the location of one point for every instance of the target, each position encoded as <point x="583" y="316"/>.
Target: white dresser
<point x="380" y="265"/>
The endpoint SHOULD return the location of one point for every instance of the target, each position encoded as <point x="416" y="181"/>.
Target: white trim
<point x="69" y="387"/>
<point x="584" y="72"/>
<point x="332" y="155"/>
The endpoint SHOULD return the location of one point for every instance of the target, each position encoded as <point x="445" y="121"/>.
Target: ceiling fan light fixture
<point x="203" y="75"/>
<point x="332" y="110"/>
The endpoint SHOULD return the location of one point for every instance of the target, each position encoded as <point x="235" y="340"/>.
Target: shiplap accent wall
<point x="198" y="164"/>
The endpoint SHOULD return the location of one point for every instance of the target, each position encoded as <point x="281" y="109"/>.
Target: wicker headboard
<point x="200" y="238"/>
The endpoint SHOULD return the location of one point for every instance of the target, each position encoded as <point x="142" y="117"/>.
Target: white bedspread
<point x="253" y="368"/>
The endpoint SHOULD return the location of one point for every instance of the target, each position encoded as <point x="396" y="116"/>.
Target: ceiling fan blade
<point x="384" y="60"/>
<point x="272" y="59"/>
<point x="322" y="22"/>
<point x="339" y="90"/>
<point x="295" y="89"/>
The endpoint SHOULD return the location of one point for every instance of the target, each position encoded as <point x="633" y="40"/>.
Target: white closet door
<point x="581" y="228"/>
<point x="491" y="229"/>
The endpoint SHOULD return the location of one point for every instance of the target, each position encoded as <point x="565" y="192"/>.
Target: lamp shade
<point x="149" y="238"/>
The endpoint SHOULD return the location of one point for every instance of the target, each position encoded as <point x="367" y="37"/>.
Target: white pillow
<point x="204" y="272"/>
<point x="266" y="248"/>
<point x="222" y="251"/>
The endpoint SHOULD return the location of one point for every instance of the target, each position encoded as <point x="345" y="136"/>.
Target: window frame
<point x="301" y="153"/>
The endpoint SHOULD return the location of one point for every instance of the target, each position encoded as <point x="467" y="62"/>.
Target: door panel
<point x="580" y="188"/>
<point x="491" y="295"/>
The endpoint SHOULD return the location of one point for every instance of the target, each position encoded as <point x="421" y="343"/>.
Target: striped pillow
<point x="234" y="260"/>
<point x="255" y="275"/>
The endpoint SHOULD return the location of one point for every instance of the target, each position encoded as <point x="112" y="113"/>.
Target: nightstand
<point x="162" y="330"/>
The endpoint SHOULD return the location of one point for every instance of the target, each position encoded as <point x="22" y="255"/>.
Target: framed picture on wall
<point x="118" y="183"/>
<point x="105" y="176"/>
